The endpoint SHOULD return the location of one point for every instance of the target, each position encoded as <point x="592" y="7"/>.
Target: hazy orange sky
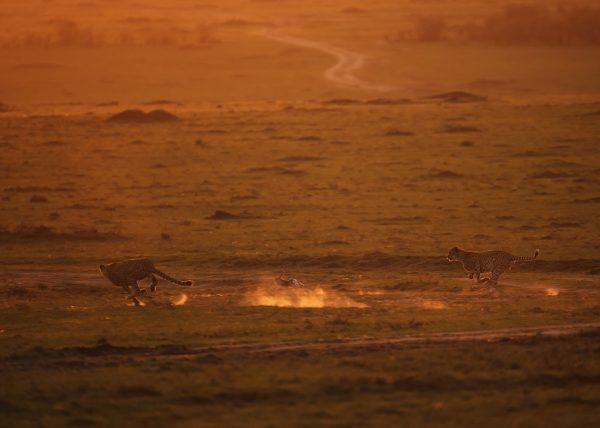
<point x="67" y="51"/>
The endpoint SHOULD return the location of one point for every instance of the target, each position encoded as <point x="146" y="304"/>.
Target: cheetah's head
<point x="453" y="254"/>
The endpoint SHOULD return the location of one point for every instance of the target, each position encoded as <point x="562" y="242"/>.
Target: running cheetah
<point x="128" y="272"/>
<point x="495" y="262"/>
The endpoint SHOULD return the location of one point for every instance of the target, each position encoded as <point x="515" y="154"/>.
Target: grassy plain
<point x="362" y="211"/>
<point x="73" y="353"/>
<point x="410" y="179"/>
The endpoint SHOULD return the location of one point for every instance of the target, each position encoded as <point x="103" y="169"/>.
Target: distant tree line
<point x="67" y="33"/>
<point x="516" y="24"/>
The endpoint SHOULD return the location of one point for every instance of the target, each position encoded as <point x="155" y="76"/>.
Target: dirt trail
<point x="181" y="351"/>
<point x="342" y="72"/>
<point x="460" y="336"/>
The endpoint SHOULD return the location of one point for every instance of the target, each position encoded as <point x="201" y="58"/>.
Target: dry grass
<point x="95" y="360"/>
<point x="382" y="191"/>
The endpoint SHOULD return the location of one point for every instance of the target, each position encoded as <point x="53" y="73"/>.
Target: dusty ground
<point x="415" y="347"/>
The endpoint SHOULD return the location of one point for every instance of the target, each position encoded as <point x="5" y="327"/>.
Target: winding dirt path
<point x="342" y="72"/>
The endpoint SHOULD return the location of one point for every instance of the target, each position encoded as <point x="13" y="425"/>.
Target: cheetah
<point x="494" y="262"/>
<point x="127" y="273"/>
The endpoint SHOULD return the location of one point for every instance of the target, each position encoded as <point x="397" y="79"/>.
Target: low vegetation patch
<point x="45" y="233"/>
<point x="139" y="116"/>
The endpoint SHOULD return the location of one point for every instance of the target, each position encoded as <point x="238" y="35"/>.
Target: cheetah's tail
<point x="526" y="259"/>
<point x="171" y="279"/>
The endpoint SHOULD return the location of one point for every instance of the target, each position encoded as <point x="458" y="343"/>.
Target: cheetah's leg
<point x="495" y="275"/>
<point x="136" y="292"/>
<point x="154" y="283"/>
<point x="131" y="295"/>
<point x="137" y="289"/>
<point x="135" y="300"/>
<point x="480" y="280"/>
<point x="127" y="289"/>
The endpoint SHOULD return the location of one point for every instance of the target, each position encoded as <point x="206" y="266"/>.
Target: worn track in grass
<point x="53" y="357"/>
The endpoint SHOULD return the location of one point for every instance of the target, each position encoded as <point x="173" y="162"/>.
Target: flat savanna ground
<point x="74" y="353"/>
<point x="361" y="202"/>
<point x="300" y="181"/>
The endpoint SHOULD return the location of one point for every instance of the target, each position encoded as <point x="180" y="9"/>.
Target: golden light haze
<point x="201" y="51"/>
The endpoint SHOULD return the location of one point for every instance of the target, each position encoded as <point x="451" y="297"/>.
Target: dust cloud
<point x="433" y="304"/>
<point x="270" y="294"/>
<point x="180" y="301"/>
